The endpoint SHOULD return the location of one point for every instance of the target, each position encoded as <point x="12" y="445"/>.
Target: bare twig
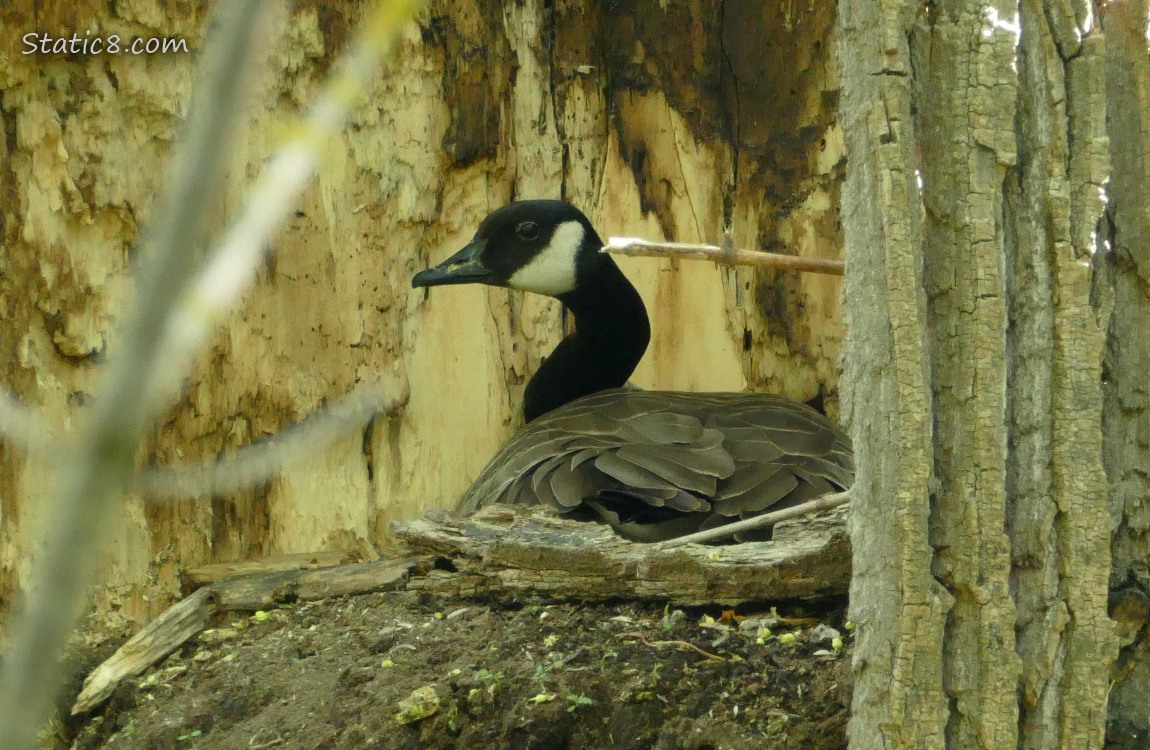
<point x="20" y="425"/>
<point x="818" y="505"/>
<point x="680" y="644"/>
<point x="728" y="255"/>
<point x="93" y="483"/>
<point x="259" y="462"/>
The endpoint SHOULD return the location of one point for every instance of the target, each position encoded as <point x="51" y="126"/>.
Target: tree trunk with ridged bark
<point x="972" y="373"/>
<point x="1124" y="282"/>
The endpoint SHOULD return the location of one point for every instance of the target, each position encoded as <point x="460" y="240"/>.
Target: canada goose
<point x="653" y="464"/>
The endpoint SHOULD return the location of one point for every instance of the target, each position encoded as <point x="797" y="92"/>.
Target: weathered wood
<point x="502" y="551"/>
<point x="898" y="699"/>
<point x="1126" y="412"/>
<point x="254" y="592"/>
<point x="159" y="638"/>
<point x="203" y="575"/>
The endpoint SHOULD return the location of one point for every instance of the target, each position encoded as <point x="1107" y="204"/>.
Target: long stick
<point x="728" y="255"/>
<point x="826" y="502"/>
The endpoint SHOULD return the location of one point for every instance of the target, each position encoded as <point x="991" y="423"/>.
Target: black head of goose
<point x="653" y="464"/>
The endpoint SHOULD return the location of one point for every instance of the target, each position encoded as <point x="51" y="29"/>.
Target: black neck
<point x="611" y="334"/>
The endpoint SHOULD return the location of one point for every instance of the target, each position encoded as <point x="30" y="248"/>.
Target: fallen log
<point x="265" y="591"/>
<point x="508" y="552"/>
<point x="204" y="575"/>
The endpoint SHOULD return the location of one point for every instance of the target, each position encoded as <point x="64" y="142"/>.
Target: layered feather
<point x="661" y="464"/>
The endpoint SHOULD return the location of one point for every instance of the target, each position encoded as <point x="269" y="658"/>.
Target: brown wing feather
<point x="707" y="457"/>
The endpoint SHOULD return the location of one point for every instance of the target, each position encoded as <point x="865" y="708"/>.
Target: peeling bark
<point x="964" y="129"/>
<point x="898" y="606"/>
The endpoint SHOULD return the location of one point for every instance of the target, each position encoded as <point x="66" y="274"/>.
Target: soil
<point x="399" y="670"/>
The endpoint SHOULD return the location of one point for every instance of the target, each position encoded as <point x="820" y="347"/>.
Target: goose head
<point x="549" y="247"/>
<point x="542" y="246"/>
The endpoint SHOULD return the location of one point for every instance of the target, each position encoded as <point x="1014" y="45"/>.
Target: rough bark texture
<point x="899" y="607"/>
<point x="964" y="127"/>
<point x="664" y="120"/>
<point x="1125" y="263"/>
<point x="1055" y="481"/>
<point x="985" y="353"/>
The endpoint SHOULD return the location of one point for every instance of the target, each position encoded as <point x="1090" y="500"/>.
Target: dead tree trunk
<point x="663" y="120"/>
<point x="980" y="528"/>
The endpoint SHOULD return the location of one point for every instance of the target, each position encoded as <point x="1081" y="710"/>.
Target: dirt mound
<point x="398" y="670"/>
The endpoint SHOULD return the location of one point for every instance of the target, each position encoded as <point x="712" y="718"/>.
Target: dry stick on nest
<point x="826" y="502"/>
<point x="192" y="614"/>
<point x="726" y="254"/>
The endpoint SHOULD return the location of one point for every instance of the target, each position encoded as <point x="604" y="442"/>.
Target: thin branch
<point x="93" y="483"/>
<point x="259" y="462"/>
<point x="162" y="337"/>
<point x="235" y="260"/>
<point x="21" y="426"/>
<point x="680" y="644"/>
<point x="727" y="255"/>
<point x="818" y="505"/>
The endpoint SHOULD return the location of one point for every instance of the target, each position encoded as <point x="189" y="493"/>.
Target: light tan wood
<point x="406" y="185"/>
<point x="264" y="591"/>
<point x="193" y="578"/>
<point x="731" y="256"/>
<point x="159" y="638"/>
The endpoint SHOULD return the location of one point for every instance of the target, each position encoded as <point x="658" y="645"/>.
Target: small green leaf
<point x="578" y="700"/>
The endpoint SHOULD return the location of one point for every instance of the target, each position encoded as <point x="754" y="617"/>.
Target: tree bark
<point x="1124" y="264"/>
<point x="899" y="608"/>
<point x="972" y="386"/>
<point x="964" y="111"/>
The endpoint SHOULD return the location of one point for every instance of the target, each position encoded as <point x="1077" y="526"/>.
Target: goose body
<point x="653" y="464"/>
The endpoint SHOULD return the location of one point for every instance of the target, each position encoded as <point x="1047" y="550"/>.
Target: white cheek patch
<point x="552" y="271"/>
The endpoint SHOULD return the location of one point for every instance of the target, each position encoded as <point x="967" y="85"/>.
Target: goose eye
<point x="527" y="230"/>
